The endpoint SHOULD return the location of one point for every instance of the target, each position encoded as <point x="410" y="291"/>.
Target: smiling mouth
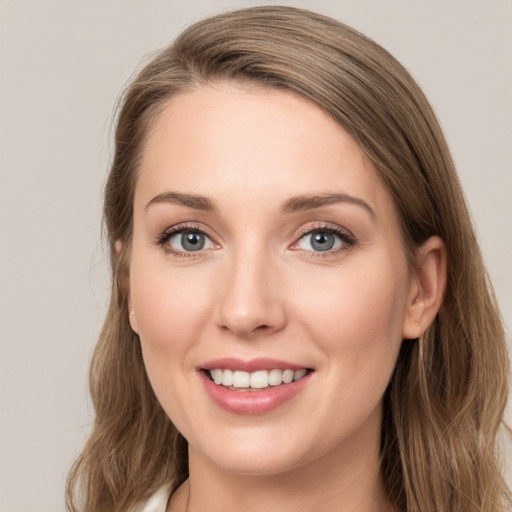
<point x="254" y="381"/>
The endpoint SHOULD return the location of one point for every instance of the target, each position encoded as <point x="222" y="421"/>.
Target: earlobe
<point x="118" y="246"/>
<point x="133" y="320"/>
<point x="427" y="288"/>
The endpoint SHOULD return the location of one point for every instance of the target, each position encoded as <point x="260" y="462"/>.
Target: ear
<point x="428" y="285"/>
<point x="133" y="319"/>
<point x="126" y="289"/>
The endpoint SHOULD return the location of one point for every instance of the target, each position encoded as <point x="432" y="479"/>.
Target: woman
<point x="300" y="317"/>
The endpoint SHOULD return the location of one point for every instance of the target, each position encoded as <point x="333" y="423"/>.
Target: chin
<point x="257" y="454"/>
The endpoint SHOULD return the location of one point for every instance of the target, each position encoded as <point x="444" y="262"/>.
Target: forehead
<point x="255" y="144"/>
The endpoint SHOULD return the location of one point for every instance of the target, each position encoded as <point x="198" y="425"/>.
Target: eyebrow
<point x="190" y="200"/>
<point x="292" y="205"/>
<point x="310" y="202"/>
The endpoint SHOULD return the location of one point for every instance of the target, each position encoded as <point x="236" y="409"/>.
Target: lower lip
<point x="253" y="402"/>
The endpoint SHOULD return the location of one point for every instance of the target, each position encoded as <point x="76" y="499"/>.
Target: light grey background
<point x="62" y="65"/>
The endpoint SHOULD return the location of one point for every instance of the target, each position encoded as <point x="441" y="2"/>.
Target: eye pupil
<point x="322" y="241"/>
<point x="192" y="241"/>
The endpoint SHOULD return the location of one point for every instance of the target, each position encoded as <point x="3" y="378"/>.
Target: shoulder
<point x="156" y="503"/>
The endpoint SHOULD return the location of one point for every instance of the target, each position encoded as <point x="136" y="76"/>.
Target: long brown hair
<point x="444" y="404"/>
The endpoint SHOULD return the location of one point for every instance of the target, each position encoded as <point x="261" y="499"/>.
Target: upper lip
<point x="252" y="365"/>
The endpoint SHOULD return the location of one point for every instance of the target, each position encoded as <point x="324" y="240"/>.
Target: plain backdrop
<point x="62" y="66"/>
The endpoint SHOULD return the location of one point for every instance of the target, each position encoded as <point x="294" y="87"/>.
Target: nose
<point x="251" y="302"/>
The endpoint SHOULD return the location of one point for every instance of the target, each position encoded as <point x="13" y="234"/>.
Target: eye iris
<point x="322" y="241"/>
<point x="192" y="241"/>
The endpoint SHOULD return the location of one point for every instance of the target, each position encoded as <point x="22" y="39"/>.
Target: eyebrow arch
<point x="310" y="202"/>
<point x="189" y="200"/>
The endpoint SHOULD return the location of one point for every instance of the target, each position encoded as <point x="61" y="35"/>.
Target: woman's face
<point x="265" y="248"/>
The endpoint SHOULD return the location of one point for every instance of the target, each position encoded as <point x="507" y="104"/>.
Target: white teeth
<point x="299" y="374"/>
<point x="257" y="380"/>
<point x="218" y="376"/>
<point x="275" y="377"/>
<point x="241" y="379"/>
<point x="288" y="376"/>
<point x="228" y="378"/>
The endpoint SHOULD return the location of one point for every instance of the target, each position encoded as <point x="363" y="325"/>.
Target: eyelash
<point x="174" y="230"/>
<point x="347" y="239"/>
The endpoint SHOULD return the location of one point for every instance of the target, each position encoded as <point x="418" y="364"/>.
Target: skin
<point x="258" y="289"/>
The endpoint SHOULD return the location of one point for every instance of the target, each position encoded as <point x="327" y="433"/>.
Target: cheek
<point x="355" y="315"/>
<point x="355" y="318"/>
<point x="171" y="308"/>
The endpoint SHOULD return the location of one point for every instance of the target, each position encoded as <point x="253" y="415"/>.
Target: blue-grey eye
<point x="320" y="240"/>
<point x="190" y="241"/>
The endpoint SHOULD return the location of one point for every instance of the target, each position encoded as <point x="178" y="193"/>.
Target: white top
<point x="157" y="502"/>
